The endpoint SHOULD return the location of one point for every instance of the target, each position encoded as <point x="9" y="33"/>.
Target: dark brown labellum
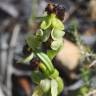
<point x="58" y="10"/>
<point x="34" y="63"/>
<point x="26" y="50"/>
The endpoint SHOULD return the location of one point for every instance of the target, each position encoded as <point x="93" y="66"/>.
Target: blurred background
<point x="18" y="19"/>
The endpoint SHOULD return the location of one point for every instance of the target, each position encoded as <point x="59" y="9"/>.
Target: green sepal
<point x="56" y="23"/>
<point x="57" y="34"/>
<point x="46" y="35"/>
<point x="45" y="85"/>
<point x="57" y="44"/>
<point x="60" y="84"/>
<point x="46" y="23"/>
<point x="54" y="88"/>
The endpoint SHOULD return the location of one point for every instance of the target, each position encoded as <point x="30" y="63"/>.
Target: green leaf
<point x="57" y="24"/>
<point x="51" y="53"/>
<point x="57" y="34"/>
<point x="37" y="92"/>
<point x="54" y="88"/>
<point x="37" y="76"/>
<point x="45" y="85"/>
<point x="46" y="23"/>
<point x="60" y="84"/>
<point x="45" y="59"/>
<point x="57" y="44"/>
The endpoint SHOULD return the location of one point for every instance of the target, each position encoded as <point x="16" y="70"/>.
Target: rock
<point x="69" y="55"/>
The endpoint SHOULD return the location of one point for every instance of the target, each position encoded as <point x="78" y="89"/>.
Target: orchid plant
<point x="50" y="34"/>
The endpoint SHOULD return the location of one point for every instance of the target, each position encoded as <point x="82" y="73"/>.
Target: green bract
<point x="51" y="53"/>
<point x="37" y="91"/>
<point x="37" y="76"/>
<point x="46" y="60"/>
<point x="44" y="69"/>
<point x="55" y="74"/>
<point x="57" y="34"/>
<point x="34" y="42"/>
<point x="27" y="59"/>
<point x="39" y="33"/>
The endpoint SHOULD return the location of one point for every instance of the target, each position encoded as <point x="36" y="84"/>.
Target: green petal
<point x="57" y="34"/>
